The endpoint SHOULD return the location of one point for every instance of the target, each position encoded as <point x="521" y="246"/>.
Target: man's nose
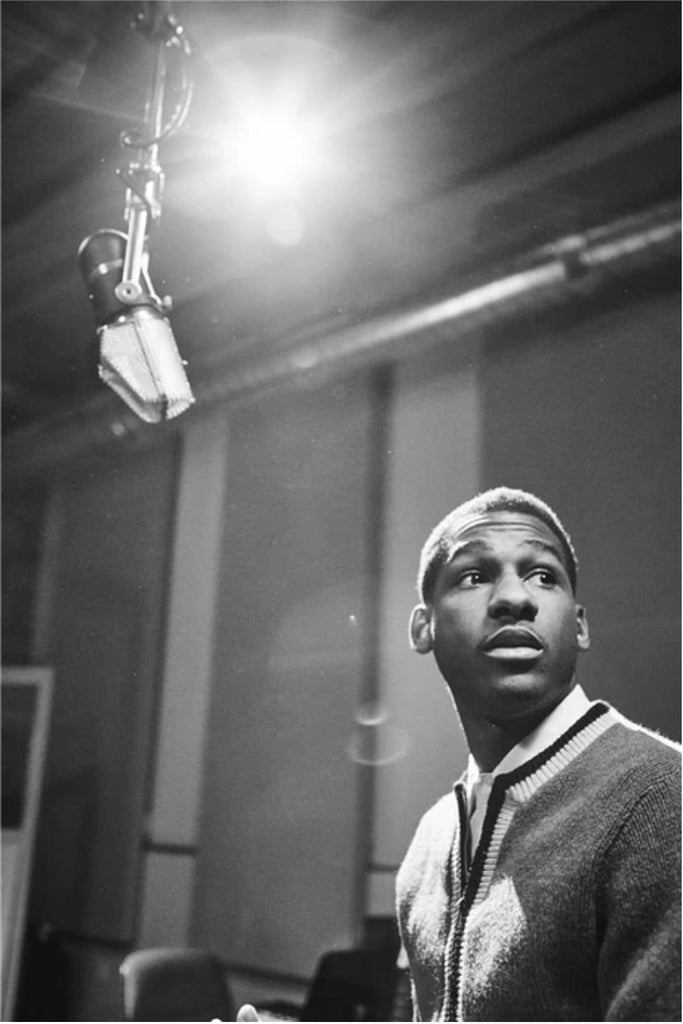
<point x="511" y="597"/>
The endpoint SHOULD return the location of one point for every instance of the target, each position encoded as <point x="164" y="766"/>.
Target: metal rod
<point x="141" y="204"/>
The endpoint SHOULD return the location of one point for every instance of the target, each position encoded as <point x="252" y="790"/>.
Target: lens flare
<point x="375" y="740"/>
<point x="273" y="151"/>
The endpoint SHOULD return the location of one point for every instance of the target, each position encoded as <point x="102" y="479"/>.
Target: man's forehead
<point x="487" y="527"/>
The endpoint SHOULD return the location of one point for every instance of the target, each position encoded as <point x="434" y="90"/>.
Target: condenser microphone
<point x="138" y="355"/>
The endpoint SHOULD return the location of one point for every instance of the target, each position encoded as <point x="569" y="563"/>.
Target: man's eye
<point x="471" y="578"/>
<point x="546" y="577"/>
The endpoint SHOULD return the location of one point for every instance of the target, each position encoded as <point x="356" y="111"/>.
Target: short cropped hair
<point x="438" y="547"/>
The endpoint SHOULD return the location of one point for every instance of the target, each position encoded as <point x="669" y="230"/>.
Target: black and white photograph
<point x="341" y="510"/>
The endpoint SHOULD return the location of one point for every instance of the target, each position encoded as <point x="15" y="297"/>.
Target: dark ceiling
<point x="426" y="105"/>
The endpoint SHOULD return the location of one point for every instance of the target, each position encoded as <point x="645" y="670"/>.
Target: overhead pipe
<point x="575" y="265"/>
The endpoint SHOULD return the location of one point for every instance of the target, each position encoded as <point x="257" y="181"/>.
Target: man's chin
<point x="518" y="693"/>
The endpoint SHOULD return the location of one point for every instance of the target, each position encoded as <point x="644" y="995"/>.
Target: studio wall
<point x="279" y="843"/>
<point x="106" y="588"/>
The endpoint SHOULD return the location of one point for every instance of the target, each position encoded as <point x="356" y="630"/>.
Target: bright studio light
<point x="274" y="153"/>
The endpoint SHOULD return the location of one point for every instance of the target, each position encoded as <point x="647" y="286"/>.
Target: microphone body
<point x="139" y="358"/>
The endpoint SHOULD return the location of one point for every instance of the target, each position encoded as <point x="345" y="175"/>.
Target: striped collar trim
<point x="525" y="780"/>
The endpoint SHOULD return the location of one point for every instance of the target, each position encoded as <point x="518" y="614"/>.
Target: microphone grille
<point x="140" y="361"/>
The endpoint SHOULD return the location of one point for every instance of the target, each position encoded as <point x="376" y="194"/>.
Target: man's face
<point x="503" y="624"/>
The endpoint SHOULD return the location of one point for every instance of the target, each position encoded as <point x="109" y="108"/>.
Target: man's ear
<point x="421" y="629"/>
<point x="582" y="634"/>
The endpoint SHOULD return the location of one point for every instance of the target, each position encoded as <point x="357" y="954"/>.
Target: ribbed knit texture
<point x="572" y="906"/>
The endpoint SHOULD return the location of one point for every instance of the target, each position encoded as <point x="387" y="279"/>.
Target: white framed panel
<point x="26" y="702"/>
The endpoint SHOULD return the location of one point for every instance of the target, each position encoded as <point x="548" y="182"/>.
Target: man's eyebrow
<point x="468" y="547"/>
<point x="544" y="545"/>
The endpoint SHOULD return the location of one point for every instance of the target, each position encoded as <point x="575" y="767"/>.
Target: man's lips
<point x="513" y="643"/>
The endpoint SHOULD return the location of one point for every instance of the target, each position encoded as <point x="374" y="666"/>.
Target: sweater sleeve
<point x="639" y="909"/>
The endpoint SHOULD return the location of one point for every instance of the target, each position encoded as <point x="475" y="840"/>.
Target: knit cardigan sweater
<point x="571" y="907"/>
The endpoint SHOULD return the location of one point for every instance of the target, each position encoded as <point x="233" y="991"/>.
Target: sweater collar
<point x="560" y="719"/>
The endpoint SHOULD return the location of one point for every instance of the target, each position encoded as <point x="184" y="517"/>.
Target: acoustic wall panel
<point x="278" y="872"/>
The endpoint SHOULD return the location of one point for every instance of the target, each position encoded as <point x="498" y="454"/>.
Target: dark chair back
<point x="175" y="984"/>
<point x="350" y="985"/>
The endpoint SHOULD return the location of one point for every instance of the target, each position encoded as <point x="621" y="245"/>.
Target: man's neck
<point x="489" y="742"/>
<point x="490" y="739"/>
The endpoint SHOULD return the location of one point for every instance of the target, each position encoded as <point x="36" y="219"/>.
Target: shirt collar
<point x="561" y="718"/>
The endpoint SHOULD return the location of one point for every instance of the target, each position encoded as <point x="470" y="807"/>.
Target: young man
<point x="547" y="886"/>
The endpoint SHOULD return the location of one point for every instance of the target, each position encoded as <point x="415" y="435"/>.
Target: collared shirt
<point x="478" y="784"/>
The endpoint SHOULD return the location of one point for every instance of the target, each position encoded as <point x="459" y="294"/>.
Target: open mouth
<point x="513" y="643"/>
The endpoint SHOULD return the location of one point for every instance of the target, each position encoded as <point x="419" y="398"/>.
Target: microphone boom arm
<point x="144" y="177"/>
